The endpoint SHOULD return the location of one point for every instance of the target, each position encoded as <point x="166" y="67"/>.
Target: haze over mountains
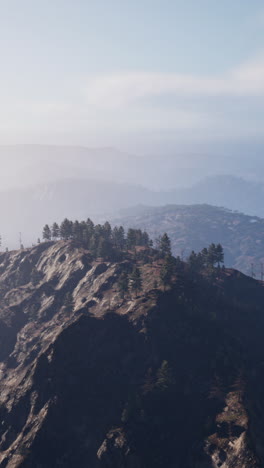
<point x="49" y="182"/>
<point x="80" y="198"/>
<point x="131" y="234"/>
<point x="191" y="227"/>
<point x="24" y="165"/>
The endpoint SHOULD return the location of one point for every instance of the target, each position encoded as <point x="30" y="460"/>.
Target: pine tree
<point x="89" y="230"/>
<point x="131" y="238"/>
<point x="77" y="231"/>
<point x="211" y="257"/>
<point x="46" y="234"/>
<point x="215" y="254"/>
<point x="165" y="245"/>
<point x="145" y="239"/>
<point x="66" y="229"/>
<point x="107" y="231"/>
<point x="204" y="254"/>
<point x="118" y="237"/>
<point x="135" y="280"/>
<point x="123" y="284"/>
<point x="104" y="249"/>
<point x="219" y="254"/>
<point x="196" y="261"/>
<point x="167" y="271"/>
<point x="55" y="231"/>
<point x="93" y="244"/>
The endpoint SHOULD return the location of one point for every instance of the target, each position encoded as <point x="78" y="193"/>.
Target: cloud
<point x="171" y="105"/>
<point x="119" y="89"/>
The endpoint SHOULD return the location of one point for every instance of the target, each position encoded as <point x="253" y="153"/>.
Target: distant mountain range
<point x="227" y="191"/>
<point x="194" y="227"/>
<point x="27" y="209"/>
<point x="27" y="165"/>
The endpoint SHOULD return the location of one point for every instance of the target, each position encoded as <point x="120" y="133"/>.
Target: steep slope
<point x="193" y="227"/>
<point x="163" y="379"/>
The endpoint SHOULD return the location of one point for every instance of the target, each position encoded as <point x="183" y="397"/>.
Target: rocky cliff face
<point x="165" y="379"/>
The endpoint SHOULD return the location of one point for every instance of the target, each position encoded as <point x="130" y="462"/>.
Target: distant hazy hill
<point x="193" y="227"/>
<point x="225" y="190"/>
<point x="27" y="209"/>
<point x="24" y="165"/>
<point x="27" y="165"/>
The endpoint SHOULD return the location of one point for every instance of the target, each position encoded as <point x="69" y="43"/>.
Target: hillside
<point x="193" y="227"/>
<point x="162" y="378"/>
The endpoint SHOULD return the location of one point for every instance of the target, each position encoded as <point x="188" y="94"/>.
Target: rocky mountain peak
<point x="159" y="378"/>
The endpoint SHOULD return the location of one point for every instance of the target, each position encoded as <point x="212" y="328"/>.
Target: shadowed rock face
<point x="165" y="379"/>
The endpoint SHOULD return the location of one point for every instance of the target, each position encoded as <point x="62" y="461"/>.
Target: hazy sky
<point x="123" y="72"/>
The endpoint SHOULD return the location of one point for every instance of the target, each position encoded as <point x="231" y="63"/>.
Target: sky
<point x="142" y="75"/>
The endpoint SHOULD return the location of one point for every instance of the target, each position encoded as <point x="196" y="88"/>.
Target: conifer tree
<point x="107" y="230"/>
<point x="165" y="245"/>
<point x="83" y="233"/>
<point x="46" y="234"/>
<point x="123" y="284"/>
<point x="66" y="229"/>
<point x="211" y="257"/>
<point x="196" y="261"/>
<point x="131" y="238"/>
<point x="204" y="254"/>
<point x="55" y="231"/>
<point x="145" y="239"/>
<point x="219" y="254"/>
<point x="77" y="231"/>
<point x="167" y="271"/>
<point x="118" y="236"/>
<point x="104" y="248"/>
<point x="135" y="280"/>
<point x="89" y="229"/>
<point x="93" y="244"/>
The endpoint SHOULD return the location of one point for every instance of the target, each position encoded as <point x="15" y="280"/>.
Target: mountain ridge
<point x="80" y="197"/>
<point x="191" y="227"/>
<point x="109" y="382"/>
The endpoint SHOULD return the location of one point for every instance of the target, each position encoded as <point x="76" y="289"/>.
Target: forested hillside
<point x="193" y="227"/>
